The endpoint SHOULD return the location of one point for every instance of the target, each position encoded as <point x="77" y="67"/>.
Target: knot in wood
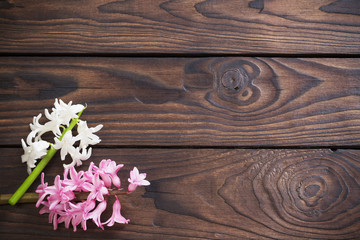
<point x="233" y="80"/>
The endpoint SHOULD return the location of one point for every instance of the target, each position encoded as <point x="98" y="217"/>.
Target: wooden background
<point x="244" y="114"/>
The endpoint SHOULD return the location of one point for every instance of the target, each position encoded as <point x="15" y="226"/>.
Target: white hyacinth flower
<point x="66" y="145"/>
<point x="66" y="112"/>
<point x="33" y="150"/>
<point x="59" y="119"/>
<point x="54" y="124"/>
<point x="60" y="115"/>
<point x="78" y="157"/>
<point x="36" y="126"/>
<point x="86" y="135"/>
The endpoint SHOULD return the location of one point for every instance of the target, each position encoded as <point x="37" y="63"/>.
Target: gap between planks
<point x="207" y="147"/>
<point x="182" y="55"/>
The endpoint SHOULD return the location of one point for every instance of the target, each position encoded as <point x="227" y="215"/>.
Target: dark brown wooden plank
<point x="210" y="194"/>
<point x="186" y="101"/>
<point x="194" y="26"/>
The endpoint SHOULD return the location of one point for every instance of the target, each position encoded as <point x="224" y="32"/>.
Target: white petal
<point x="48" y="115"/>
<point x="63" y="153"/>
<point x="145" y="183"/>
<point x="58" y="144"/>
<point x="30" y="137"/>
<point x="23" y="143"/>
<point x="97" y="128"/>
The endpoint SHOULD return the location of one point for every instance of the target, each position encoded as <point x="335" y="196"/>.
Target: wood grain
<point x="212" y="194"/>
<point x="190" y="101"/>
<point x="174" y="26"/>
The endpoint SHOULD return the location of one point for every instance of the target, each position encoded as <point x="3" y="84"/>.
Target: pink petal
<point x="116" y="181"/>
<point x="131" y="187"/>
<point x="96" y="214"/>
<point x="106" y="178"/>
<point x="116" y="215"/>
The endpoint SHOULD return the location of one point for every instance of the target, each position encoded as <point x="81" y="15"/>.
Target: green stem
<point x="26" y="198"/>
<point x="41" y="165"/>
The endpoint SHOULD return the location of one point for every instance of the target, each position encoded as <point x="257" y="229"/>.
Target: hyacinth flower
<point x="33" y="150"/>
<point x="137" y="179"/>
<point x="84" y="196"/>
<point x="116" y="215"/>
<point x="61" y="121"/>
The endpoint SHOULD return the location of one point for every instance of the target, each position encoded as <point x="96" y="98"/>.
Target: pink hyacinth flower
<point x="77" y="213"/>
<point x="97" y="189"/>
<point x="41" y="190"/>
<point x="108" y="172"/>
<point x="116" y="215"/>
<point x="76" y="181"/>
<point x="96" y="214"/>
<point x="58" y="210"/>
<point x="137" y="179"/>
<point x="59" y="200"/>
<point x="58" y="193"/>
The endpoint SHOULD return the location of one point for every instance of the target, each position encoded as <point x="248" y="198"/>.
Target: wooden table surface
<point x="244" y="114"/>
